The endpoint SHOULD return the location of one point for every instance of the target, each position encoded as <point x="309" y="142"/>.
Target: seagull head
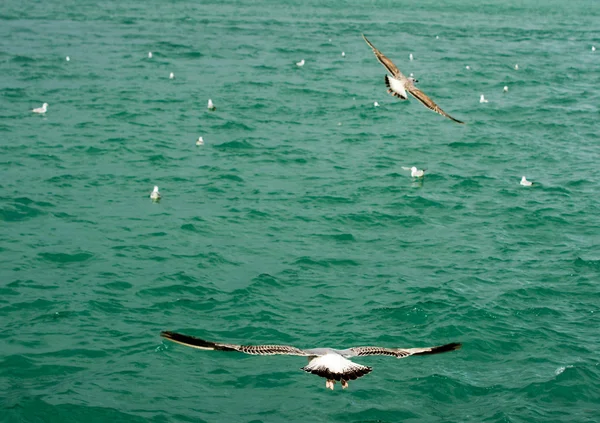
<point x="156" y="188"/>
<point x="45" y="105"/>
<point x="413" y="169"/>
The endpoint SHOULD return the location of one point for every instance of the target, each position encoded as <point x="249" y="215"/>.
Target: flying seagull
<point x="398" y="84"/>
<point x="329" y="363"/>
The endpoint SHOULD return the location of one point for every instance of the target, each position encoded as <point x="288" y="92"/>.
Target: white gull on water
<point x="414" y="172"/>
<point x="329" y="363"/>
<point x="300" y="63"/>
<point x="200" y="141"/>
<point x="149" y="55"/>
<point x="171" y="75"/>
<point x="505" y="88"/>
<point x="525" y="182"/>
<point x="482" y="99"/>
<point x="211" y="106"/>
<point x="155" y="195"/>
<point x="42" y="109"/>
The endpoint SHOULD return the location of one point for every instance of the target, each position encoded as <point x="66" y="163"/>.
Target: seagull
<point x="329" y="363"/>
<point x="149" y="55"/>
<point x="211" y="106"/>
<point x="67" y="58"/>
<point x="300" y="63"/>
<point x="593" y="48"/>
<point x="41" y="109"/>
<point x="516" y="67"/>
<point x="414" y="172"/>
<point x="506" y="88"/>
<point x="398" y="84"/>
<point x="200" y="141"/>
<point x="376" y="104"/>
<point x="410" y="56"/>
<point x="343" y="54"/>
<point x="482" y="99"/>
<point x="468" y="67"/>
<point x="171" y="75"/>
<point x="525" y="182"/>
<point x="155" y="195"/>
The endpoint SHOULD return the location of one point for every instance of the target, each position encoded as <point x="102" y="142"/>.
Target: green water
<point x="295" y="222"/>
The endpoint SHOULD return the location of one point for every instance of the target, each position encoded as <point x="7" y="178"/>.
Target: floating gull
<point x="468" y="67"/>
<point x="516" y="67"/>
<point x="343" y="54"/>
<point x="42" y="109"/>
<point x="300" y="63"/>
<point x="437" y="37"/>
<point x="398" y="84"/>
<point x="149" y="55"/>
<point x="414" y="172"/>
<point x="410" y="56"/>
<point x="171" y="75"/>
<point x="155" y="195"/>
<point x="482" y="99"/>
<point x="593" y="48"/>
<point x="200" y="141"/>
<point x="505" y="89"/>
<point x="67" y="58"/>
<point x="211" y="106"/>
<point x="329" y="363"/>
<point x="525" y="182"/>
<point x="376" y="104"/>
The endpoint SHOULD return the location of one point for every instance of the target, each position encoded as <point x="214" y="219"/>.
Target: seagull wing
<point x="403" y="352"/>
<point x="201" y="344"/>
<point x="429" y="103"/>
<point x="387" y="63"/>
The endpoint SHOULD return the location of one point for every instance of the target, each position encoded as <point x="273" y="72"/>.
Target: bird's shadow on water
<point x="418" y="183"/>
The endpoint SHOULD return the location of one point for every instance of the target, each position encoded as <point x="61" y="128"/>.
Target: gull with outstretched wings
<point x="398" y="84"/>
<point x="330" y="363"/>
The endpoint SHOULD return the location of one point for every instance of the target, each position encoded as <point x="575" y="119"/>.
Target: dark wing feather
<point x="387" y="63"/>
<point x="429" y="103"/>
<point x="404" y="352"/>
<point x="194" y="342"/>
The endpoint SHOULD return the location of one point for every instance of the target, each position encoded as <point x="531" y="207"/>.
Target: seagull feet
<point x="344" y="384"/>
<point x="330" y="384"/>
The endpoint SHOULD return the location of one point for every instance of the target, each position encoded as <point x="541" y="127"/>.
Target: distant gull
<point x="42" y="109"/>
<point x="155" y="195"/>
<point x="525" y="182"/>
<point x="376" y="104"/>
<point x="414" y="172"/>
<point x="211" y="106"/>
<point x="343" y="54"/>
<point x="171" y="75"/>
<point x="149" y="55"/>
<point x="410" y="56"/>
<point x="437" y="37"/>
<point x="329" y="363"/>
<point x="300" y="63"/>
<point x="482" y="99"/>
<point x="516" y="67"/>
<point x="67" y="58"/>
<point x="200" y="141"/>
<point x="468" y="67"/>
<point x="398" y="84"/>
<point x="593" y="48"/>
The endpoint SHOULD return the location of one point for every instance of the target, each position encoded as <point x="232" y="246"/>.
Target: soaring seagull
<point x="329" y="363"/>
<point x="398" y="84"/>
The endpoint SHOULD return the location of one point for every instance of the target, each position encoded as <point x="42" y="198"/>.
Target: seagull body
<point x="398" y="84"/>
<point x="525" y="182"/>
<point x="300" y="63"/>
<point x="468" y="67"/>
<point x="171" y="75"/>
<point x="149" y="55"/>
<point x="42" y="109"/>
<point x="410" y="56"/>
<point x="155" y="195"/>
<point x="376" y="104"/>
<point x="343" y="54"/>
<point x="414" y="172"/>
<point x="211" y="106"/>
<point x="482" y="99"/>
<point x="200" y="141"/>
<point x="516" y="67"/>
<point x="506" y="88"/>
<point x="67" y="58"/>
<point x="329" y="363"/>
<point x="593" y="48"/>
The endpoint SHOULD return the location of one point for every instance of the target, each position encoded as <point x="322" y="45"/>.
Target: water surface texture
<point x="295" y="222"/>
